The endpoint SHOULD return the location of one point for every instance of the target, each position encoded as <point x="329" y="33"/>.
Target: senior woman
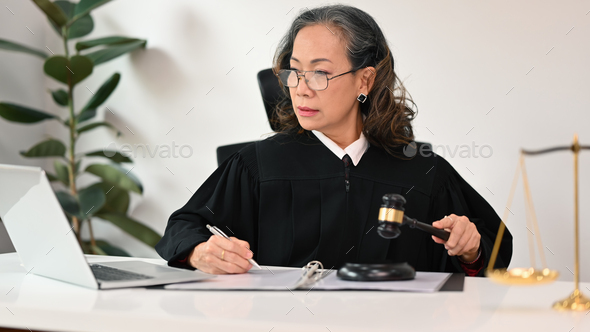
<point x="313" y="190"/>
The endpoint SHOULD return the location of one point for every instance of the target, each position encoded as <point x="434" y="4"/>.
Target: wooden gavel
<point x="391" y="217"/>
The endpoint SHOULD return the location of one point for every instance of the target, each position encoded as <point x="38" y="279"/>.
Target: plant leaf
<point x="10" y="46"/>
<point x="110" y="249"/>
<point x="86" y="247"/>
<point x="68" y="203"/>
<point x="67" y="7"/>
<point x="53" y="12"/>
<point x="81" y="27"/>
<point x="114" y="156"/>
<point x="96" y="125"/>
<point x="84" y="7"/>
<point x="132" y="227"/>
<point x="117" y="199"/>
<point x="48" y="148"/>
<point x="86" y="115"/>
<point x="103" y="92"/>
<point x="113" y="175"/>
<point x="76" y="69"/>
<point x="97" y="250"/>
<point x="77" y="166"/>
<point x="129" y="174"/>
<point x="78" y="29"/>
<point x="112" y="52"/>
<point x="17" y="113"/>
<point x="91" y="200"/>
<point x="62" y="172"/>
<point x="115" y="40"/>
<point x="51" y="177"/>
<point x="60" y="97"/>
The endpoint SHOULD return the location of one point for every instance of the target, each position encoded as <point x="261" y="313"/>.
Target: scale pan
<point x="523" y="276"/>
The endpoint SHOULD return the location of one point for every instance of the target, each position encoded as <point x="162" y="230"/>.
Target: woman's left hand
<point x="464" y="238"/>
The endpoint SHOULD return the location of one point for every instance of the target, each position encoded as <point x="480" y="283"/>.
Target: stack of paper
<point x="271" y="278"/>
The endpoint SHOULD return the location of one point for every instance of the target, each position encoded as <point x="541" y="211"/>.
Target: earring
<point x="362" y="98"/>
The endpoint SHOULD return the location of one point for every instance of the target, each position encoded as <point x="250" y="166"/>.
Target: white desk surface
<point x="37" y="303"/>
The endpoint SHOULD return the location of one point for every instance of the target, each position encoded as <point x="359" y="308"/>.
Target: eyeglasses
<point x="315" y="79"/>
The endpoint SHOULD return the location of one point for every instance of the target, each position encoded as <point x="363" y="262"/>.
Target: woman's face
<point x="335" y="110"/>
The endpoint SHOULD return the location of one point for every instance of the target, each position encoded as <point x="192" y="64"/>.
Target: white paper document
<point x="270" y="278"/>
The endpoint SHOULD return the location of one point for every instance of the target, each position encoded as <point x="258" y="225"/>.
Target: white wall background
<point x="506" y="74"/>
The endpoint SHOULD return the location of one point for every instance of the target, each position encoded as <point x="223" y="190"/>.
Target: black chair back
<point x="271" y="93"/>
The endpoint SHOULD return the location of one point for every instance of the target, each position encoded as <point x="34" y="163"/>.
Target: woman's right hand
<point x="221" y="256"/>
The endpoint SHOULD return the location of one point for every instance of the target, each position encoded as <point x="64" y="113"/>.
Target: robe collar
<point x="355" y="150"/>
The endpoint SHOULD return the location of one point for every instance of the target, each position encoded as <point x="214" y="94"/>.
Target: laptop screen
<point x="38" y="227"/>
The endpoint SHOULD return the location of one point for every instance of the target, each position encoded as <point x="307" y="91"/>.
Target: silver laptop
<point x="47" y="246"/>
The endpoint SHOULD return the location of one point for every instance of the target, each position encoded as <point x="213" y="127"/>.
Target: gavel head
<point x="391" y="216"/>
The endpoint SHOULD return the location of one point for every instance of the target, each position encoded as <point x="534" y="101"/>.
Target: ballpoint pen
<point x="218" y="231"/>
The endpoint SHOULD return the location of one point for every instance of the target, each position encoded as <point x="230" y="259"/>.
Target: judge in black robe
<point x="287" y="196"/>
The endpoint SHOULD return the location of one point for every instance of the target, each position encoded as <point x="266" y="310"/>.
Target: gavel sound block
<point x="391" y="217"/>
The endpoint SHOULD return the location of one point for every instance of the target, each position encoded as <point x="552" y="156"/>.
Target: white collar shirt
<point x="355" y="150"/>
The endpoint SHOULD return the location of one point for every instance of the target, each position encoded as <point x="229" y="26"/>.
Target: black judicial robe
<point x="286" y="196"/>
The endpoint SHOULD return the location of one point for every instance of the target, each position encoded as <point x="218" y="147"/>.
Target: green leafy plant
<point x="109" y="198"/>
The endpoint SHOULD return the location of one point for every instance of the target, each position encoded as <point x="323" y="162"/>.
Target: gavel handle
<point x="440" y="233"/>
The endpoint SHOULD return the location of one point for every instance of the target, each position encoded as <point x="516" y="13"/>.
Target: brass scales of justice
<point x="532" y="276"/>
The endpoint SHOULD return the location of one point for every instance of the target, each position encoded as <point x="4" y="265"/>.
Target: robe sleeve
<point x="228" y="199"/>
<point x="452" y="194"/>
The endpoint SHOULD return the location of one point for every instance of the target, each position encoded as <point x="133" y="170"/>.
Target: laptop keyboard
<point x="107" y="273"/>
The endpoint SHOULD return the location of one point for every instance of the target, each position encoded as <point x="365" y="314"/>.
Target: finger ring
<point x="449" y="218"/>
<point x="222" y="253"/>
